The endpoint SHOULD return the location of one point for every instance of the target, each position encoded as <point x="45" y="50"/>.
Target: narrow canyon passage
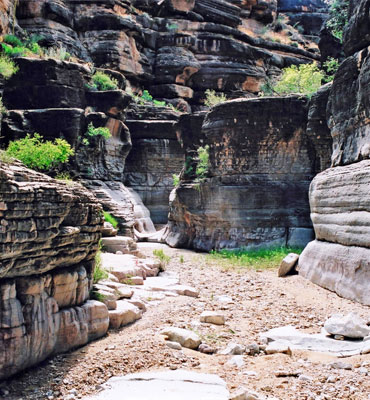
<point x="259" y="301"/>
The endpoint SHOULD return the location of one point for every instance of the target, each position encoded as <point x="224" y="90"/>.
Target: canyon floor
<point x="260" y="301"/>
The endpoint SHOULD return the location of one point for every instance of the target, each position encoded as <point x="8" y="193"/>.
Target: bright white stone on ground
<point x="186" y="338"/>
<point x="351" y="326"/>
<point x="168" y="385"/>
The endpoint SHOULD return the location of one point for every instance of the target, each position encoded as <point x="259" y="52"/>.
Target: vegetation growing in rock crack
<point x="330" y="66"/>
<point x="102" y="81"/>
<point x="176" y="179"/>
<point x="109" y="218"/>
<point x="95" y="132"/>
<point x="213" y="98"/>
<point x="3" y="109"/>
<point x="40" y="154"/>
<point x="162" y="257"/>
<point x="338" y="17"/>
<point x="99" y="272"/>
<point x="7" y="67"/>
<point x="203" y="163"/>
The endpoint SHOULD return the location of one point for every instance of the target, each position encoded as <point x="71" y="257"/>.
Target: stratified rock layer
<point x="339" y="197"/>
<point x="49" y="234"/>
<point x="339" y="259"/>
<point x="261" y="162"/>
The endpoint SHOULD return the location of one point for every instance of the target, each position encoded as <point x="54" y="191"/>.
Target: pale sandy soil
<point x="261" y="301"/>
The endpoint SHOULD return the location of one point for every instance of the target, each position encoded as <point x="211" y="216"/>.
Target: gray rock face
<point x="48" y="239"/>
<point x="260" y="166"/>
<point x="170" y="385"/>
<point x="339" y="197"/>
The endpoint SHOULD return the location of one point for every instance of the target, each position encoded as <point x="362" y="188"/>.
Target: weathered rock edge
<point x="49" y="234"/>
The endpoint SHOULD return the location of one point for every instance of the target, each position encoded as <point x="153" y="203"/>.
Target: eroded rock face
<point x="261" y="162"/>
<point x="49" y="237"/>
<point x="339" y="197"/>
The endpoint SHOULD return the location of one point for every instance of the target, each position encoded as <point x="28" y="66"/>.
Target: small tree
<point x="338" y="17"/>
<point x="305" y="79"/>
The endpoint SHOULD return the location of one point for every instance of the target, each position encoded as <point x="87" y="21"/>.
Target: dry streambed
<point x="251" y="302"/>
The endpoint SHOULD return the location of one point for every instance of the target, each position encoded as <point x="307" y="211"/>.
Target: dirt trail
<point x="261" y="301"/>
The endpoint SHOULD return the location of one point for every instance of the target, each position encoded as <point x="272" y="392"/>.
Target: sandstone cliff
<point x="49" y="238"/>
<point x="339" y="197"/>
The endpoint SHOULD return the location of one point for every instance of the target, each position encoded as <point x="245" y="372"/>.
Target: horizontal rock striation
<point x="261" y="162"/>
<point x="339" y="197"/>
<point x="48" y="239"/>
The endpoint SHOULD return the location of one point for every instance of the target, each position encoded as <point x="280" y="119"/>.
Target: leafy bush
<point x="212" y="98"/>
<point x="7" y="67"/>
<point x="338" y="17"/>
<point x="305" y="79"/>
<point x="100" y="131"/>
<point x="102" y="81"/>
<point x="38" y="154"/>
<point x="202" y="166"/>
<point x="12" y="46"/>
<point x="331" y="66"/>
<point x="3" y="109"/>
<point x="109" y="218"/>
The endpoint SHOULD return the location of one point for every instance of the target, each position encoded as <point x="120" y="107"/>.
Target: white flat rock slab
<point x="170" y="385"/>
<point x="288" y="335"/>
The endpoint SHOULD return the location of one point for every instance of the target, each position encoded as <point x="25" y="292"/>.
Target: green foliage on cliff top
<point x="100" y="131"/>
<point x="303" y="79"/>
<point x="40" y="154"/>
<point x="102" y="81"/>
<point x="213" y="98"/>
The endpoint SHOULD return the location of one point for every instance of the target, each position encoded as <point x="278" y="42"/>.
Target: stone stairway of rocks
<point x="134" y="281"/>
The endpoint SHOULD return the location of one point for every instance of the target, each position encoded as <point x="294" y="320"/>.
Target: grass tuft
<point x="109" y="218"/>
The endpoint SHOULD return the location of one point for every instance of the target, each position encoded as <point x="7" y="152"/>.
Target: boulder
<point x="350" y="326"/>
<point x="185" y="337"/>
<point x="288" y="264"/>
<point x="125" y="313"/>
<point x="212" y="317"/>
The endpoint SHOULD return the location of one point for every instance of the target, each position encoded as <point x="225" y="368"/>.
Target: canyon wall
<point x="261" y="162"/>
<point x="339" y="258"/>
<point x="49" y="234"/>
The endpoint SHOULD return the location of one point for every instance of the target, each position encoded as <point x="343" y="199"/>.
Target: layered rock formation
<point x="340" y="205"/>
<point x="49" y="238"/>
<point x="261" y="162"/>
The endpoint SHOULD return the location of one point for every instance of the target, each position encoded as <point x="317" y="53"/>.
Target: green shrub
<point x="102" y="81"/>
<point x="100" y="131"/>
<point x="12" y="46"/>
<point x="13" y="41"/>
<point x="203" y="160"/>
<point x="5" y="157"/>
<point x="338" y="17"/>
<point x="7" y="67"/>
<point x="331" y="66"/>
<point x="212" y="98"/>
<point x="109" y="218"/>
<point x="38" y="154"/>
<point x="99" y="272"/>
<point x="305" y="79"/>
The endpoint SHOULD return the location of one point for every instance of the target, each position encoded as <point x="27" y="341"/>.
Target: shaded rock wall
<point x="52" y="98"/>
<point x="49" y="237"/>
<point x="261" y="162"/>
<point x="339" y="197"/>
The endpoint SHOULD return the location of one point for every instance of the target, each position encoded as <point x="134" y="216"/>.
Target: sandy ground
<point x="261" y="301"/>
